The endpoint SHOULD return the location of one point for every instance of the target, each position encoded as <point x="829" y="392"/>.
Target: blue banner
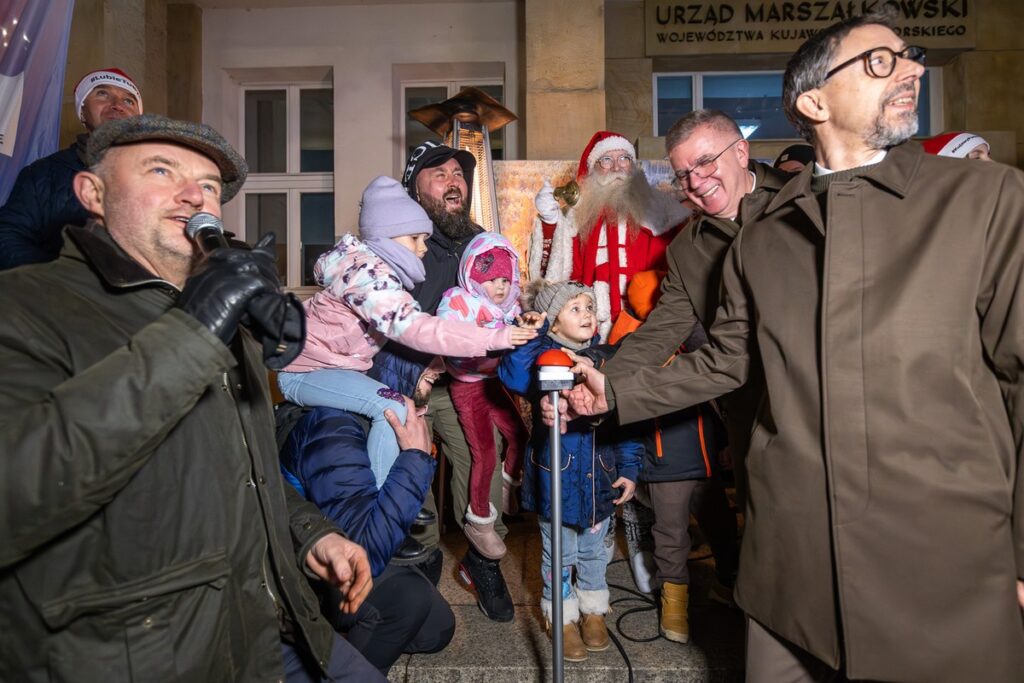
<point x="33" y="52"/>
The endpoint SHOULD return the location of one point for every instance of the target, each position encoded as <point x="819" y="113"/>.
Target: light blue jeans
<point x="585" y="549"/>
<point x="355" y="392"/>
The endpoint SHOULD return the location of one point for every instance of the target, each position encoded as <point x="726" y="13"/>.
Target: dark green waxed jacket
<point x="147" y="534"/>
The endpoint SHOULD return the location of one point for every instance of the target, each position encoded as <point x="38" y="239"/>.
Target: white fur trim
<point x="95" y="79"/>
<point x="602" y="292"/>
<point x="570" y="610"/>
<point x="512" y="482"/>
<point x="961" y="145"/>
<point x="593" y="602"/>
<point x="610" y="143"/>
<point x="560" y="259"/>
<point x="470" y="517"/>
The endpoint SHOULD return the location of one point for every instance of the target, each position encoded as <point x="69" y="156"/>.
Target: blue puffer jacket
<point x="588" y="470"/>
<point x="41" y="203"/>
<point x="325" y="454"/>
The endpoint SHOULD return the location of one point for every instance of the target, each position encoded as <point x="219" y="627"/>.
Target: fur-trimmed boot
<point x="480" y="532"/>
<point x="675" y="619"/>
<point x="593" y="630"/>
<point x="572" y="644"/>
<point x="510" y="493"/>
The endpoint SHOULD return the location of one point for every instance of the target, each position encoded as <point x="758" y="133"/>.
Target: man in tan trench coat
<point x="883" y="291"/>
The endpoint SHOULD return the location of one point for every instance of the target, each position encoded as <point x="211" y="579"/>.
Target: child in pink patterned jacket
<point x="364" y="303"/>
<point x="488" y="296"/>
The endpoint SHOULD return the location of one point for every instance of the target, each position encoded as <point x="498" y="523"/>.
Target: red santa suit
<point x="611" y="254"/>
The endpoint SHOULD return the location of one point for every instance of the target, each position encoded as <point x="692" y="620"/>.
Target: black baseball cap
<point x="431" y="154"/>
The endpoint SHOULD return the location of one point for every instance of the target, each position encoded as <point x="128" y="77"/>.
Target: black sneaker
<point x="491" y="593"/>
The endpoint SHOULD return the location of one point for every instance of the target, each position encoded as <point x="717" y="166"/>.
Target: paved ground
<point x="489" y="652"/>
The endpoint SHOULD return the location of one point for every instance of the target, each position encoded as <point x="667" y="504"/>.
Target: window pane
<point x="316" y="130"/>
<point x="266" y="130"/>
<point x="675" y="100"/>
<point x="317" y="230"/>
<point x="266" y="213"/>
<point x="415" y="132"/>
<point x="924" y="106"/>
<point x="497" y="137"/>
<point x="753" y="100"/>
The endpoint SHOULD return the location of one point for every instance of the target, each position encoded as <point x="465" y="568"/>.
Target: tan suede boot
<point x="594" y="632"/>
<point x="573" y="649"/>
<point x="675" y="621"/>
<point x="480" y="532"/>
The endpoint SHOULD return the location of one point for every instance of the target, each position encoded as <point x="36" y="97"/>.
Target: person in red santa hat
<point x="958" y="146"/>
<point x="619" y="227"/>
<point x="43" y="200"/>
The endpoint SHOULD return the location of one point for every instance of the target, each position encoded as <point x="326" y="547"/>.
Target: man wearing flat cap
<point x="147" y="533"/>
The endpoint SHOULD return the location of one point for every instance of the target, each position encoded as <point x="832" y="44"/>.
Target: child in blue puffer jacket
<point x="592" y="468"/>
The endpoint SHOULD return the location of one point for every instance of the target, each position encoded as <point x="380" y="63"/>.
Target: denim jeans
<point x="584" y="549"/>
<point x="353" y="391"/>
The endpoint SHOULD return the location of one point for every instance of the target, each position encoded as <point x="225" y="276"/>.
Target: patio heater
<point x="466" y="121"/>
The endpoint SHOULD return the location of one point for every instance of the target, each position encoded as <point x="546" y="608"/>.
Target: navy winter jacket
<point x="588" y="470"/>
<point x="326" y="453"/>
<point x="41" y="203"/>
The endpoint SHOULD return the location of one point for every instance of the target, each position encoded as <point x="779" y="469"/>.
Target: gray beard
<point x="884" y="135"/>
<point x="454" y="225"/>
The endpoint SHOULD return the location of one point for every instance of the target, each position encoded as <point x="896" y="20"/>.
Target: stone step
<point x="489" y="652"/>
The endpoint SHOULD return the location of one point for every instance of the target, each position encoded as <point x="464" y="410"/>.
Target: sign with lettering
<point x="767" y="26"/>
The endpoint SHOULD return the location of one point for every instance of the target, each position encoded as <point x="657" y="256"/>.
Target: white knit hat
<point x="95" y="79"/>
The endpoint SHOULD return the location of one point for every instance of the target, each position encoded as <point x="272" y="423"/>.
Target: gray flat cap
<point x="155" y="128"/>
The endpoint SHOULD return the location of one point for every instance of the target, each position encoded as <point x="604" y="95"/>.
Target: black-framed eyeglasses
<point x="880" y="62"/>
<point x="703" y="169"/>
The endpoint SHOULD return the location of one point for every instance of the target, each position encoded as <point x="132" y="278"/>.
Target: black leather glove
<point x="278" y="323"/>
<point x="218" y="295"/>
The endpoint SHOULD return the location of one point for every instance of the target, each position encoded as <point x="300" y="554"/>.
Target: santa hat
<point x="604" y="141"/>
<point x="95" y="79"/>
<point x="956" y="145"/>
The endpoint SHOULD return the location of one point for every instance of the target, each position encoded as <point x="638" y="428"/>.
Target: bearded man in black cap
<point x="439" y="178"/>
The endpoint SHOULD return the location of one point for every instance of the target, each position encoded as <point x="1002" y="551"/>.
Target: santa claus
<point x="619" y="227"/>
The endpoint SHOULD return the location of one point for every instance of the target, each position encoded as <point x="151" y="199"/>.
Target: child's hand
<point x="628" y="486"/>
<point x="520" y="335"/>
<point x="531" y="320"/>
<point x="579" y="360"/>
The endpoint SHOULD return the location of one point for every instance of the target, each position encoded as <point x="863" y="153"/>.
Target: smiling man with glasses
<point x="880" y="297"/>
<point x="714" y="171"/>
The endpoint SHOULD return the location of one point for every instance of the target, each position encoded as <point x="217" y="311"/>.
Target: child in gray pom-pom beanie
<point x="598" y="470"/>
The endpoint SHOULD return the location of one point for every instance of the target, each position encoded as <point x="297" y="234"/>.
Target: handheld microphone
<point x="207" y="231"/>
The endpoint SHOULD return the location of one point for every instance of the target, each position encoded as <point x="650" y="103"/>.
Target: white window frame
<point x="935" y="100"/>
<point x="293" y="182"/>
<point x="453" y="86"/>
<point x="454" y="75"/>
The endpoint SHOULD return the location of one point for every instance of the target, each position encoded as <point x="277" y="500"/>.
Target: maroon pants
<point x="482" y="406"/>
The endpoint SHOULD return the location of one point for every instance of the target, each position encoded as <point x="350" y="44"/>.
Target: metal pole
<point x="557" y="648"/>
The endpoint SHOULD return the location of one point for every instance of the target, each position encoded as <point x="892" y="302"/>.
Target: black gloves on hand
<point x="219" y="294"/>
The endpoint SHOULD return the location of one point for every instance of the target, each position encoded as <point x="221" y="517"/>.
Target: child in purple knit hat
<point x="365" y="302"/>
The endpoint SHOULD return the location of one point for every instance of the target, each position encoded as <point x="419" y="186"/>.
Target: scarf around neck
<point x="407" y="267"/>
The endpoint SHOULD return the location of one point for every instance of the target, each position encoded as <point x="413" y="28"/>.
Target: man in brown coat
<point x="883" y="291"/>
<point x="713" y="168"/>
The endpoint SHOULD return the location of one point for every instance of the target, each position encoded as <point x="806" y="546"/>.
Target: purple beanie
<point x="387" y="210"/>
